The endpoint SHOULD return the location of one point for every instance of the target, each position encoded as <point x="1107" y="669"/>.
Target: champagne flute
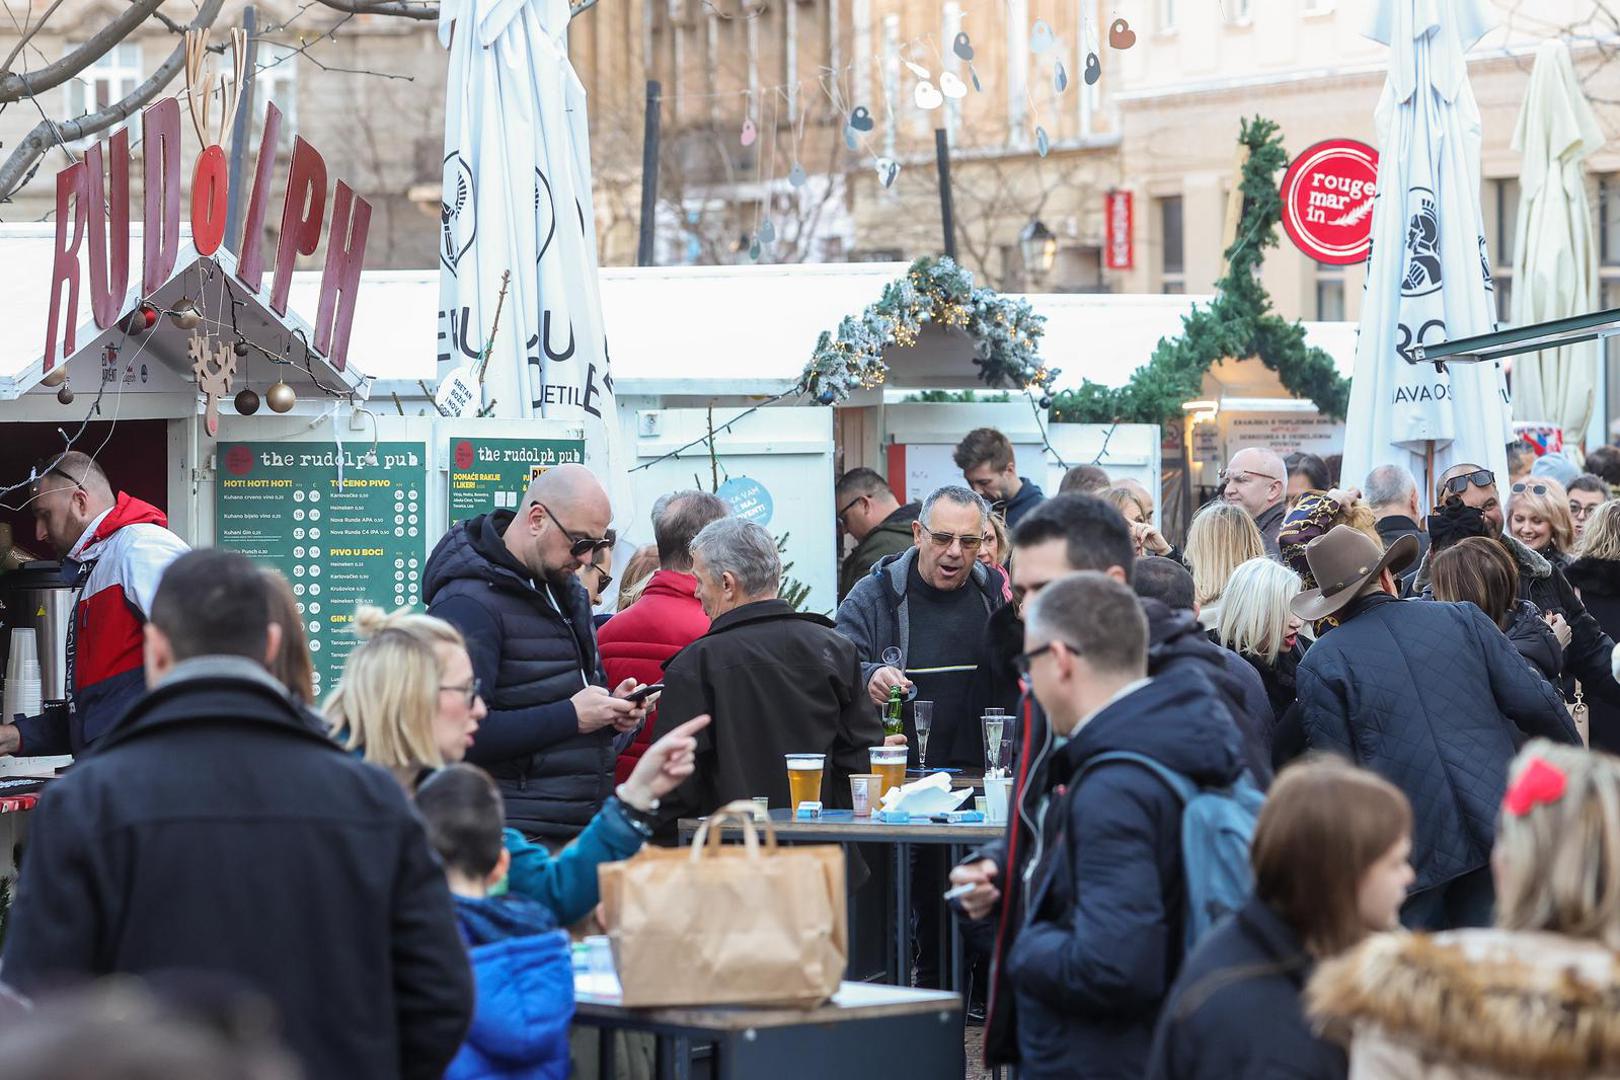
<point x="922" y="717"/>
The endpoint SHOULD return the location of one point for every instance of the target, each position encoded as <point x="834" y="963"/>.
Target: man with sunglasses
<point x="114" y="549"/>
<point x="1256" y="479"/>
<point x="874" y="519"/>
<point x="507" y="581"/>
<point x="1540" y="582"/>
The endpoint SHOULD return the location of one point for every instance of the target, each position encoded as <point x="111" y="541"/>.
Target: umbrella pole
<point x="1428" y="473"/>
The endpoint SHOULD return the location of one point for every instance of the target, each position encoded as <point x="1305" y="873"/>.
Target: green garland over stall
<point x="1005" y="333"/>
<point x="1239" y="322"/>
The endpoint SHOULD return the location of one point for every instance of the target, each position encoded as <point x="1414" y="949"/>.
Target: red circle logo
<point x="1327" y="197"/>
<point x="239" y="461"/>
<point x="464" y="455"/>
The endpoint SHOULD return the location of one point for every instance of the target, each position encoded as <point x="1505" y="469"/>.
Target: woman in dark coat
<point x="1330" y="866"/>
<point x="1482" y="572"/>
<point x="1596" y="573"/>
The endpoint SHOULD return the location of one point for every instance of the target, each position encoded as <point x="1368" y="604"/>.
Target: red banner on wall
<point x="1118" y="214"/>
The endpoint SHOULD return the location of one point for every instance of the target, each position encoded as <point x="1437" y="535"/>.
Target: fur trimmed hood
<point x="1483" y="1002"/>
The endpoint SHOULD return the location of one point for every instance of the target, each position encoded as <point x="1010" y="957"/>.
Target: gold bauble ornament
<point x="55" y="377"/>
<point x="280" y="397"/>
<point x="185" y="315"/>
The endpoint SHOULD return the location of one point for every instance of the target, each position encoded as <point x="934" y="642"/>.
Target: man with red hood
<point x="113" y="550"/>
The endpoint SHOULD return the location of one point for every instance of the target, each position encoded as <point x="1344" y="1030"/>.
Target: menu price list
<point x="493" y="474"/>
<point x="343" y="525"/>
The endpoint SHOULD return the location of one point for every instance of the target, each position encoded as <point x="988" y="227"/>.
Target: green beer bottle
<point x="892" y="722"/>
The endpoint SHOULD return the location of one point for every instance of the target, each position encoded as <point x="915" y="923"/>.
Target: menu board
<point x="343" y="524"/>
<point x="492" y="474"/>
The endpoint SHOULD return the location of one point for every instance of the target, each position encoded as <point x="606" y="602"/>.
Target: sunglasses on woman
<point x="1534" y="489"/>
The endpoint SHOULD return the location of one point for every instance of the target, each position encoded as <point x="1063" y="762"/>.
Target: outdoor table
<point x="843" y="827"/>
<point x="865" y="1031"/>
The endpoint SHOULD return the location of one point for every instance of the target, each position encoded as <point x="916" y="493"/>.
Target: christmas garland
<point x="1005" y="333"/>
<point x="1239" y="322"/>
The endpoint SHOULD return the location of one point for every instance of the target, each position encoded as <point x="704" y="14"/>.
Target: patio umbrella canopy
<point x="1555" y="261"/>
<point x="1428" y="278"/>
<point x="517" y="200"/>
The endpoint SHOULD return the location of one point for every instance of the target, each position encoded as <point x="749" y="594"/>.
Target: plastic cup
<point x="863" y="793"/>
<point x="889" y="762"/>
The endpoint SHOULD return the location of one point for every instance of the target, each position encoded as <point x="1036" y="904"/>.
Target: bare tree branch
<point x="5" y="65"/>
<point x="46" y="133"/>
<point x="411" y="9"/>
<point x="14" y="85"/>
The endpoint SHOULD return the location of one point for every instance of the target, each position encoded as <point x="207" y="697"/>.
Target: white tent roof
<point x="741" y="329"/>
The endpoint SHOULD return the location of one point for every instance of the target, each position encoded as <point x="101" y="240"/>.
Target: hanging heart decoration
<point x="749" y="132"/>
<point x="1042" y="143"/>
<point x="767" y="232"/>
<point x="887" y="170"/>
<point x="1120" y="34"/>
<point x="927" y="97"/>
<point x="961" y="46"/>
<point x="796" y="175"/>
<point x="1041" y="38"/>
<point x="861" y="119"/>
<point x="1093" y="69"/>
<point x="951" y="85"/>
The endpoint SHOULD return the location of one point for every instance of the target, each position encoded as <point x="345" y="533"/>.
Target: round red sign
<point x="1327" y="197"/>
<point x="239" y="460"/>
<point x="464" y="455"/>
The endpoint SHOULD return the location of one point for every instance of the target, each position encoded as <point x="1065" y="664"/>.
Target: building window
<point x="1167" y="14"/>
<point x="1501" y="226"/>
<point x="1329" y="294"/>
<point x="276" y="79"/>
<point x="111" y="78"/>
<point x="1172" y="264"/>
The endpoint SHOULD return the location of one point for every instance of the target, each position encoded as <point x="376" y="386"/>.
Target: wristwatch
<point x="640" y="820"/>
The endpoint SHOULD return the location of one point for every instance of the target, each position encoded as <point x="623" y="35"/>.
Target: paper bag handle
<point x="742" y="812"/>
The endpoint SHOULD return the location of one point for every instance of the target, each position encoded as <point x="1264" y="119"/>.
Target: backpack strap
<point x="1184" y="788"/>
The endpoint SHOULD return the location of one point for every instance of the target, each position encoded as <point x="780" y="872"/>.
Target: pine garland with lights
<point x="1006" y="334"/>
<point x="1239" y="322"/>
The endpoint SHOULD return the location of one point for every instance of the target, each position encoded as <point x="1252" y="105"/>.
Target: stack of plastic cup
<point x="22" y="692"/>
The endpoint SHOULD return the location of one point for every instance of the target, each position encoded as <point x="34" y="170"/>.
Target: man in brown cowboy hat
<point x="1433" y="697"/>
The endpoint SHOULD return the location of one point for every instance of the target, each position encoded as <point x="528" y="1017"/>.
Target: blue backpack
<point x="1217" y="826"/>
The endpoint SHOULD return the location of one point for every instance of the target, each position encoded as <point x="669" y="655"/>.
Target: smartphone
<point x="642" y="693"/>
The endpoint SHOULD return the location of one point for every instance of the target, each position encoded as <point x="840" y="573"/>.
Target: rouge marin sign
<point x="1327" y="197"/>
<point x="94" y="201"/>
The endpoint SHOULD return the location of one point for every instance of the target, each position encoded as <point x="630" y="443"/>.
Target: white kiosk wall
<point x="774" y="467"/>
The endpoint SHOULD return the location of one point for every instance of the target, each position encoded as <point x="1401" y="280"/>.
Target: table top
<point x="843" y="826"/>
<point x="596" y="998"/>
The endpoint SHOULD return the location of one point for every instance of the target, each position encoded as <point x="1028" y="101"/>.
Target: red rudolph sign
<point x="1327" y="197"/>
<point x="1118" y="253"/>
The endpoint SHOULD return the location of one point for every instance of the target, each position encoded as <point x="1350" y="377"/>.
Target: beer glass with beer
<point x="804" y="778"/>
<point x="889" y="763"/>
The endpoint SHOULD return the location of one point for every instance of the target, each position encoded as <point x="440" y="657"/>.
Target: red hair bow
<point x="1539" y="783"/>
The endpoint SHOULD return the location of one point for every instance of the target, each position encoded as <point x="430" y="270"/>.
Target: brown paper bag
<point x="728" y="925"/>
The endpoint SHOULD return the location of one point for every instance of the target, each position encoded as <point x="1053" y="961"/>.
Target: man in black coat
<point x="1068" y="533"/>
<point x="506" y="581"/>
<point x="1432" y="697"/>
<point x="775" y="681"/>
<point x="214" y="832"/>
<point x="1101" y="933"/>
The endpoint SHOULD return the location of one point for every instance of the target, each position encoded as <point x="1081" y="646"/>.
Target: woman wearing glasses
<point x="1539" y="518"/>
<point x="409" y="703"/>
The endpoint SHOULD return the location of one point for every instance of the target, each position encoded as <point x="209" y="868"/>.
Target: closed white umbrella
<point x="517" y="199"/>
<point x="1428" y="277"/>
<point x="1555" y="260"/>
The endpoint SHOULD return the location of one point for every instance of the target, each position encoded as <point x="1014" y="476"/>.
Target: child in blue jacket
<point x="520" y="959"/>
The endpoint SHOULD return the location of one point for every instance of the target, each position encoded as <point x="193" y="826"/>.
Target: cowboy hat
<point x="1344" y="560"/>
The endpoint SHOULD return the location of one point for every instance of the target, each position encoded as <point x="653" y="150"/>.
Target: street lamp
<point x="1039" y="245"/>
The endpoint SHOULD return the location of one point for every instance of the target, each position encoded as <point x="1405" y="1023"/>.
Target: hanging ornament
<point x="185" y="315"/>
<point x="1060" y="77"/>
<point x="797" y="176"/>
<point x="55" y="377"/>
<point x="918" y="70"/>
<point x="247" y="403"/>
<point x="215" y="369"/>
<point x="1093" y="69"/>
<point x="861" y="119"/>
<point x="928" y="97"/>
<point x="767" y="232"/>
<point x="1041" y="38"/>
<point x="1120" y="34"/>
<point x="65" y="394"/>
<point x="1042" y="143"/>
<point x="961" y="46"/>
<point x="978" y="87"/>
<point x="952" y="86"/>
<point x="749" y="132"/>
<point x="887" y="170"/>
<point x="141" y="319"/>
<point x="753" y="248"/>
<point x="241" y="348"/>
<point x="280" y="397"/>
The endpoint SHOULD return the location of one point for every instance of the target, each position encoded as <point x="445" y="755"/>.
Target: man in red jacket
<point x="667" y="618"/>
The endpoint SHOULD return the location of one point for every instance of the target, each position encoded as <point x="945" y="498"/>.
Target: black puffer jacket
<point x="531" y="658"/>
<point x="1431" y="696"/>
<point x="1536" y="642"/>
<point x="1599" y="583"/>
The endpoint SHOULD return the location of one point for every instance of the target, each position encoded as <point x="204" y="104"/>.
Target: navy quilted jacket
<point x="531" y="658"/>
<point x="1434" y="698"/>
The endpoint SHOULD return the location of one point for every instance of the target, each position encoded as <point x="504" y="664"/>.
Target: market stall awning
<point x="229" y="308"/>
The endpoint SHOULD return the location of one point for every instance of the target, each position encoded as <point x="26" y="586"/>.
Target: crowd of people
<point x="1387" y="709"/>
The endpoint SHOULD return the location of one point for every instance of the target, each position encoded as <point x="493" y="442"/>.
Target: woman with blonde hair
<point x="1258" y="624"/>
<point x="409" y="703"/>
<point x="637" y="572"/>
<point x="1595" y="571"/>
<point x="1138" y="514"/>
<point x="1222" y="538"/>
<point x="1538" y="517"/>
<point x="1536" y="995"/>
<point x="1330" y="867"/>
